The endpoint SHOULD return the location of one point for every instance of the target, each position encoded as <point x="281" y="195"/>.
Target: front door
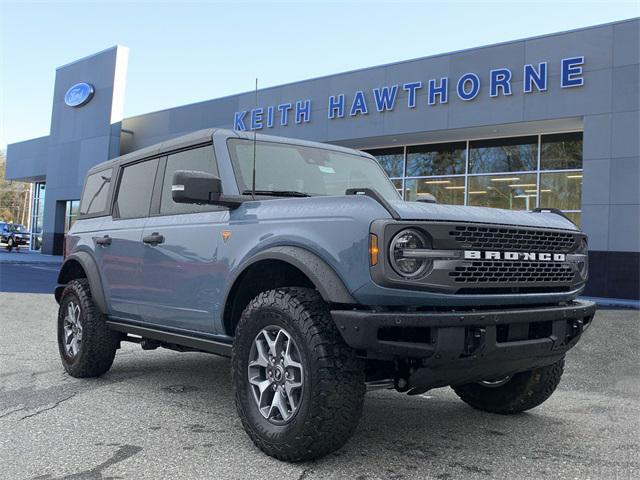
<point x="181" y="272"/>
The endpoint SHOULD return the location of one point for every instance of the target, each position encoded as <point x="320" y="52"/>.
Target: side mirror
<point x="426" y="198"/>
<point x="192" y="186"/>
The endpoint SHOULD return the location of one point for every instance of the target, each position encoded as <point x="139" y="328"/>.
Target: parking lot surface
<point x="32" y="278"/>
<point x="162" y="414"/>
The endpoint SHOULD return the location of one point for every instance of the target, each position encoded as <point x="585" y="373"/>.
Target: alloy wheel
<point x="276" y="374"/>
<point x="72" y="329"/>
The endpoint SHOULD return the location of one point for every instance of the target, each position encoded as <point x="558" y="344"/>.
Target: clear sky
<point x="183" y="52"/>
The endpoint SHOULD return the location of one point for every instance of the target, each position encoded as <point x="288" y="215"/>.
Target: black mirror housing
<point x="202" y="188"/>
<point x="192" y="186"/>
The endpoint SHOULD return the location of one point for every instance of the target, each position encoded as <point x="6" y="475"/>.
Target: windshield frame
<point x="361" y="155"/>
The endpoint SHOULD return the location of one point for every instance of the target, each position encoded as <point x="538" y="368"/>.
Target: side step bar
<point x="198" y="343"/>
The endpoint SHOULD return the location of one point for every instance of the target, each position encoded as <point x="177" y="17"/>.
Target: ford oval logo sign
<point x="79" y="94"/>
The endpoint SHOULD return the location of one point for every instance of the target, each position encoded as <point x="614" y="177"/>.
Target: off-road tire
<point x="99" y="343"/>
<point x="10" y="244"/>
<point x="522" y="392"/>
<point x="334" y="386"/>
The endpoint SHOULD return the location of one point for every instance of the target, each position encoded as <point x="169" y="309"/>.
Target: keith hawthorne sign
<point x="418" y="93"/>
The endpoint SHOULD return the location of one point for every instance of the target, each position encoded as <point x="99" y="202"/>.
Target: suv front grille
<point x="514" y="239"/>
<point x="491" y="271"/>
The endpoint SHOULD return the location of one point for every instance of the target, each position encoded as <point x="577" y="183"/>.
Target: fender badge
<point x="226" y="235"/>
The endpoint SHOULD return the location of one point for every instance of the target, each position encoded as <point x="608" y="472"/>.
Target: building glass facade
<point x="37" y="215"/>
<point x="516" y="173"/>
<point x="70" y="214"/>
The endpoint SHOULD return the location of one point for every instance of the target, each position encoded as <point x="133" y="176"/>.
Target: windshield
<point x="17" y="228"/>
<point x="306" y="170"/>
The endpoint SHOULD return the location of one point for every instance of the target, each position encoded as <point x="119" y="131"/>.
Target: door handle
<point x="104" y="241"/>
<point x="154" y="239"/>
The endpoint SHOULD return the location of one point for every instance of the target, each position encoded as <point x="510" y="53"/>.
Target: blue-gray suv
<point x="302" y="263"/>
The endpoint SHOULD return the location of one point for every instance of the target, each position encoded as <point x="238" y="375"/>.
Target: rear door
<point x="118" y="247"/>
<point x="182" y="277"/>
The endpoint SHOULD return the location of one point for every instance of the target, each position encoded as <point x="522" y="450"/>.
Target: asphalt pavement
<point x="30" y="278"/>
<point x="162" y="414"/>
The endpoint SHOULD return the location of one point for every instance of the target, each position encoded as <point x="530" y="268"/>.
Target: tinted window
<point x="201" y="159"/>
<point x="391" y="159"/>
<point x="437" y="159"/>
<point x="503" y="155"/>
<point x="136" y="185"/>
<point x="96" y="192"/>
<point x="561" y="151"/>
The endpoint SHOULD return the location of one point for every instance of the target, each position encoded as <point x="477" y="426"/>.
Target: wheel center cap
<point x="278" y="373"/>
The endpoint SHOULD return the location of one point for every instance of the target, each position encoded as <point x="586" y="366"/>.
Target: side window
<point x="134" y="193"/>
<point x="96" y="193"/>
<point x="201" y="159"/>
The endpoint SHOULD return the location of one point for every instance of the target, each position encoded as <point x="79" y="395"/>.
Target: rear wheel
<point x="87" y="346"/>
<point x="299" y="388"/>
<point x="514" y="394"/>
<point x="10" y="244"/>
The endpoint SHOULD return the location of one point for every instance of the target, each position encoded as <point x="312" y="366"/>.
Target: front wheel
<point x="10" y="244"/>
<point x="514" y="394"/>
<point x="299" y="388"/>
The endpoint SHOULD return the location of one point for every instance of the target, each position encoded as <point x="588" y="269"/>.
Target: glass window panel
<point x="134" y="194"/>
<point x="562" y="190"/>
<point x="503" y="155"/>
<point x="96" y="191"/>
<point x="574" y="216"/>
<point x="390" y="159"/>
<point x="201" y="159"/>
<point x="316" y="171"/>
<point x="398" y="184"/>
<point x="513" y="192"/>
<point x="71" y="213"/>
<point x="448" y="191"/>
<point x="561" y="151"/>
<point x="436" y="159"/>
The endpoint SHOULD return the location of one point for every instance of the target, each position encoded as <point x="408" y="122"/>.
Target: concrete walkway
<point x="28" y="257"/>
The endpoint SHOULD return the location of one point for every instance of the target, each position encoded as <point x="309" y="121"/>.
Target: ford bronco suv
<point x="301" y="262"/>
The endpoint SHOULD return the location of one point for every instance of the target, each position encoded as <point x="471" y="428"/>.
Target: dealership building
<point x="549" y="121"/>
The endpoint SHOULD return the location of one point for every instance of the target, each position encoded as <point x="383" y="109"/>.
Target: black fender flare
<point x="88" y="264"/>
<point x="324" y="278"/>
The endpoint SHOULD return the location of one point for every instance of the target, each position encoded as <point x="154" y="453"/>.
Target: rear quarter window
<point x="96" y="193"/>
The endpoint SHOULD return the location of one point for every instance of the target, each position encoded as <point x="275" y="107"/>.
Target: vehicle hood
<point x="455" y="213"/>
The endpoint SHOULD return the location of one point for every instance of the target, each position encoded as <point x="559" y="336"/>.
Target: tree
<point x="14" y="197"/>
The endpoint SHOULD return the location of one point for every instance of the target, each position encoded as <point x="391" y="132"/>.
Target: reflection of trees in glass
<point x="503" y="155"/>
<point x="560" y="151"/>
<point x="561" y="190"/>
<point x="439" y="159"/>
<point x="391" y="160"/>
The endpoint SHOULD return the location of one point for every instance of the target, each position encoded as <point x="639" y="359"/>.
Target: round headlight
<point x="583" y="267"/>
<point x="402" y="261"/>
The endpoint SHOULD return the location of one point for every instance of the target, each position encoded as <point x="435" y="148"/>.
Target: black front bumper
<point x="459" y="347"/>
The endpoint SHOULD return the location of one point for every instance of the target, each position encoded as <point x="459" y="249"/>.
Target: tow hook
<point x="575" y="330"/>
<point x="401" y="377"/>
<point x="474" y="340"/>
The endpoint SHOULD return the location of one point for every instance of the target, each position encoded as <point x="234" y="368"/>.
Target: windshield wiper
<point x="277" y="193"/>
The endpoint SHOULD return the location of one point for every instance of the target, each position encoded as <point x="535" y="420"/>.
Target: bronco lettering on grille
<point x="527" y="256"/>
